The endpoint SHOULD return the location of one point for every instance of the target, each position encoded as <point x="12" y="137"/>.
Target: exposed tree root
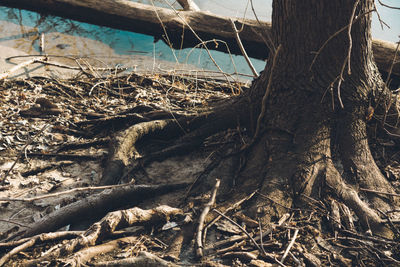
<point x="103" y="228"/>
<point x="98" y="205"/>
<point x="81" y="257"/>
<point x="349" y="196"/>
<point x="42" y="237"/>
<point x="306" y="167"/>
<point x="25" y="243"/>
<point x="193" y="128"/>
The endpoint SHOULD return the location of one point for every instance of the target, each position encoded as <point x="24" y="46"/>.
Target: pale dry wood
<point x="6" y="74"/>
<point x="25" y="243"/>
<point x="290" y="245"/>
<point x="200" y="227"/>
<point x="105" y="227"/>
<point x="244" y="53"/>
<point x="83" y="256"/>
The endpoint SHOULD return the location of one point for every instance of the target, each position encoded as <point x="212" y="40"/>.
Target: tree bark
<point x="310" y="118"/>
<point x="141" y="18"/>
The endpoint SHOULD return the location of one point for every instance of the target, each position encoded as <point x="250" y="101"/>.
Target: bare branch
<point x="239" y="42"/>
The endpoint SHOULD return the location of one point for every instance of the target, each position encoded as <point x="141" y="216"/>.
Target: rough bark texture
<point x="305" y="125"/>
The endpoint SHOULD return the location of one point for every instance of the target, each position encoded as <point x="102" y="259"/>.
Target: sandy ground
<point x="20" y="44"/>
<point x="95" y="64"/>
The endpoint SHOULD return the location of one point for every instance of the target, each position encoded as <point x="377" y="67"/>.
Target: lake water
<point x="20" y="30"/>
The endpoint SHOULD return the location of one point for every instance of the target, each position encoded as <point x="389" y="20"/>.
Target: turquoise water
<point x="128" y="43"/>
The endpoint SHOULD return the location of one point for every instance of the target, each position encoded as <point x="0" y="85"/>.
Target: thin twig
<point x="379" y="192"/>
<point x="290" y="245"/>
<point x="200" y="40"/>
<point x="249" y="236"/>
<point x="241" y="228"/>
<point x="244" y="53"/>
<point x="22" y="65"/>
<point x="348" y="57"/>
<point x="165" y="31"/>
<point x="265" y="99"/>
<point x="394" y="228"/>
<point x="334" y="35"/>
<point x="233" y="207"/>
<point x="261" y="236"/>
<point x="269" y="42"/>
<point x="392" y="7"/>
<point x="200" y="227"/>
<point x="379" y="17"/>
<point x="79" y="189"/>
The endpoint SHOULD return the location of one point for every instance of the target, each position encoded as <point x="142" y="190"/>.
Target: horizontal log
<point x="141" y="18"/>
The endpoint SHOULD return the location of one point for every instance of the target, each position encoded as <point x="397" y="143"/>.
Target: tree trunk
<point x="311" y="120"/>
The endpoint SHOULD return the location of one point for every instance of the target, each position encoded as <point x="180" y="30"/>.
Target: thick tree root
<point x="83" y="256"/>
<point x="275" y="201"/>
<point x="193" y="129"/>
<point x="123" y="150"/>
<point x="368" y="217"/>
<point x="103" y="228"/>
<point x="97" y="205"/>
<point x="310" y="167"/>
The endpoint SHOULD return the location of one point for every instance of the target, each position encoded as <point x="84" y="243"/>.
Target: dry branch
<point x="98" y="205"/>
<point x="101" y="229"/>
<point x="21" y="66"/>
<point x="25" y="243"/>
<point x="290" y="245"/>
<point x="200" y="227"/>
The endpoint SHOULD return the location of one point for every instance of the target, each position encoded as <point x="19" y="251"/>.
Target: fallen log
<point x="142" y="18"/>
<point x="151" y="20"/>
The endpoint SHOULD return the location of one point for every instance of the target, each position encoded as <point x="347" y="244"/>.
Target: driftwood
<point x="141" y="18"/>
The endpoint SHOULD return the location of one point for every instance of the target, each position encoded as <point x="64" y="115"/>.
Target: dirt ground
<point x="54" y="140"/>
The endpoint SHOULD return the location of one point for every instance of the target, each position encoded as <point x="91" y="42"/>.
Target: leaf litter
<point x="54" y="138"/>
